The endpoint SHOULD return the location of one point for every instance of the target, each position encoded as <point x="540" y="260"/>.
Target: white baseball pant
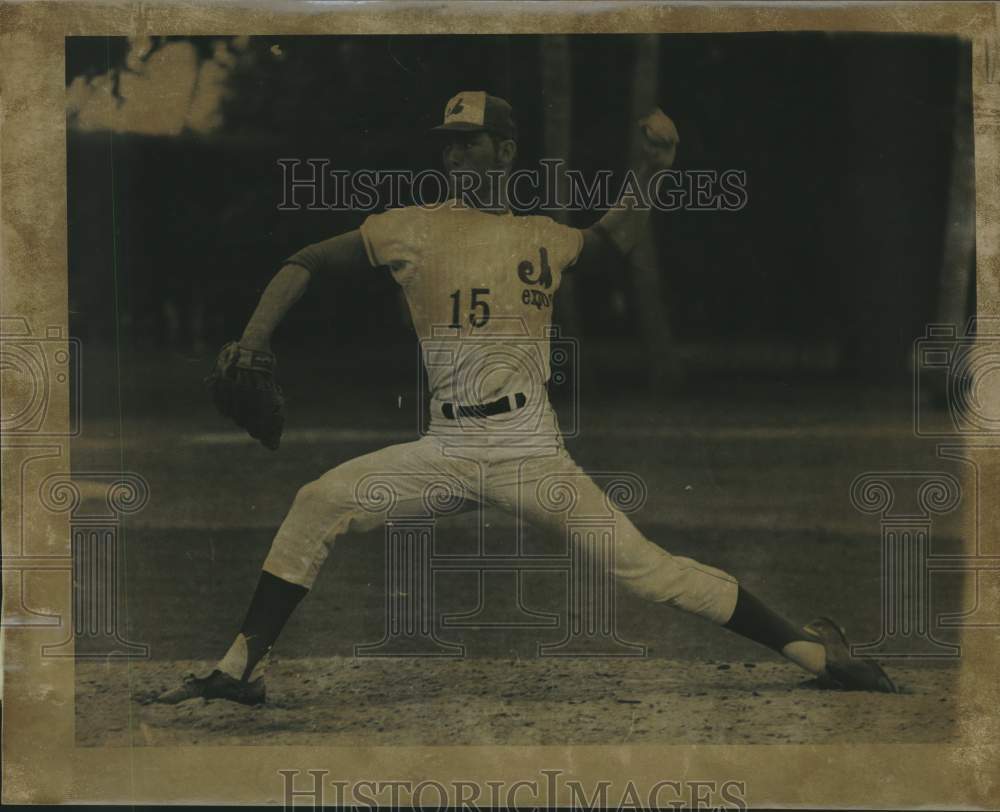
<point x="541" y="485"/>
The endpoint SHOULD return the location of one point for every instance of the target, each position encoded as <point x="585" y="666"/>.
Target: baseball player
<point x="479" y="285"/>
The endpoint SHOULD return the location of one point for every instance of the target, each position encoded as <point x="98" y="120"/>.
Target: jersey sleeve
<point x="319" y="256"/>
<point x="395" y="237"/>
<point x="564" y="243"/>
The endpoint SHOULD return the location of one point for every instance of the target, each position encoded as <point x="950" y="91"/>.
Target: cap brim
<point x="459" y="127"/>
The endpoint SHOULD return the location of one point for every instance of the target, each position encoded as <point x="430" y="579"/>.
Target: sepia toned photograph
<point x="731" y="361"/>
<point x="521" y="391"/>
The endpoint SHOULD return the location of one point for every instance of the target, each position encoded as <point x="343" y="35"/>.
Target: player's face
<point x="473" y="151"/>
<point x="479" y="154"/>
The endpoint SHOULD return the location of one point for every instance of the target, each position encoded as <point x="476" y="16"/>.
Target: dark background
<point x="856" y="149"/>
<point x="794" y="320"/>
<point x="848" y="141"/>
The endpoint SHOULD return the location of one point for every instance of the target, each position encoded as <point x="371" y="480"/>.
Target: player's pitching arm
<point x="345" y="252"/>
<point x="622" y="225"/>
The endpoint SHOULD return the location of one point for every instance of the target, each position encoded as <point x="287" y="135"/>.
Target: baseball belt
<point x="501" y="406"/>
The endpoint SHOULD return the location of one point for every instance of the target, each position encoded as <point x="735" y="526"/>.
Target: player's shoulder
<point x="402" y="221"/>
<point x="542" y="222"/>
<point x="534" y="219"/>
<point x="403" y="214"/>
<point x="396" y="235"/>
<point x="562" y="242"/>
<point x="542" y="226"/>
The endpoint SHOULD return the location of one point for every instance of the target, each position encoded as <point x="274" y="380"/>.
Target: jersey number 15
<point x="478" y="315"/>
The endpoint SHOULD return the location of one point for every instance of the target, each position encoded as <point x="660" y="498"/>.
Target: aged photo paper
<point x="500" y="405"/>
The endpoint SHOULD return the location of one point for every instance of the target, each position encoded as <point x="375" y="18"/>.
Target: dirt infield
<point x="381" y="702"/>
<point x="758" y="486"/>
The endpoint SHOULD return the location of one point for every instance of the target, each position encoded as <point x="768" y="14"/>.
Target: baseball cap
<point x="476" y="110"/>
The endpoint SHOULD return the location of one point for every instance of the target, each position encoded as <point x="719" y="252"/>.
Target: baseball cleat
<point x="843" y="670"/>
<point x="216" y="685"/>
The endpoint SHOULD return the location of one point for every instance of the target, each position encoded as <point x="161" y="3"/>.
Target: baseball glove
<point x="244" y="389"/>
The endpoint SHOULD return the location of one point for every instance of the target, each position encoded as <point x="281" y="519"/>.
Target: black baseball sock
<point x="751" y="618"/>
<point x="272" y="604"/>
<point x="756" y="621"/>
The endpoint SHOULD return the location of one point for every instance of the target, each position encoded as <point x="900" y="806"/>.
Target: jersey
<point x="480" y="289"/>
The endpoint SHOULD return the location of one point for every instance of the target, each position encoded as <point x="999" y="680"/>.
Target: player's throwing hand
<point x="659" y="140"/>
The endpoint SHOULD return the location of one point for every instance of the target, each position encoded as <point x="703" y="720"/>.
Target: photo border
<point x="42" y="763"/>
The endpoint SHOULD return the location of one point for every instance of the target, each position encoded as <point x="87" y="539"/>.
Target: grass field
<point x="750" y="477"/>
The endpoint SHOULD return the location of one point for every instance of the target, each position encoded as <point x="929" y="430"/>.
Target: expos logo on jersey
<point x="540" y="277"/>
